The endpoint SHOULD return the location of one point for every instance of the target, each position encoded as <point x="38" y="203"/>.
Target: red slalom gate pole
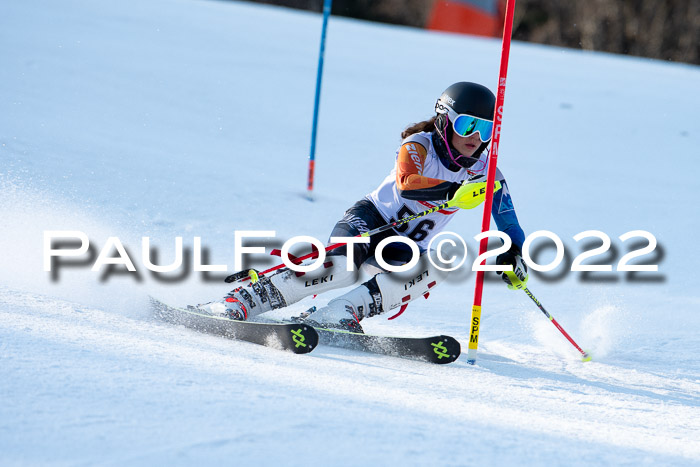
<point x="490" y="180"/>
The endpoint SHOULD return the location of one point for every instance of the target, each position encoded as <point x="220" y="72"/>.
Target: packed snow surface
<point x="184" y="118"/>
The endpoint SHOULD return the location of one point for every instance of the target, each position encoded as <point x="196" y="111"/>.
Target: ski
<point x="436" y="349"/>
<point x="293" y="337"/>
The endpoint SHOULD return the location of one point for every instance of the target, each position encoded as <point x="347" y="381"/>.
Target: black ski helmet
<point x="462" y="98"/>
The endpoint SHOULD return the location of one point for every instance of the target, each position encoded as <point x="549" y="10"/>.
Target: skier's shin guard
<point x="381" y="293"/>
<point x="332" y="275"/>
<point x="397" y="289"/>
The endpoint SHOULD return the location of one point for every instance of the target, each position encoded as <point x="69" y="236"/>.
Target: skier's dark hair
<point x="425" y="125"/>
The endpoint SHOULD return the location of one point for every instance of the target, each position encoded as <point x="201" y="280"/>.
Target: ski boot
<point x="346" y="312"/>
<point x="230" y="307"/>
<point x="243" y="303"/>
<point x="330" y="317"/>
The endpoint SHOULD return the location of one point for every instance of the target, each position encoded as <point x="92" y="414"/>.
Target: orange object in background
<point x="480" y="17"/>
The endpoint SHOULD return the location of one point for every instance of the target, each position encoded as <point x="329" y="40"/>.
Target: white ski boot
<point x="346" y="312"/>
<point x="384" y="292"/>
<point x="280" y="289"/>
<point x="247" y="301"/>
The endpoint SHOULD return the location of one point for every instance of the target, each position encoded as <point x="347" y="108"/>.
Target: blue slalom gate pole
<point x="319" y="75"/>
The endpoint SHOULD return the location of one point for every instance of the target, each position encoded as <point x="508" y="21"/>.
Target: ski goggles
<point x="465" y="125"/>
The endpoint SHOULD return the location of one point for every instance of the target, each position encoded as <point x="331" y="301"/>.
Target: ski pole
<point x="586" y="356"/>
<point x="253" y="275"/>
<point x="469" y="198"/>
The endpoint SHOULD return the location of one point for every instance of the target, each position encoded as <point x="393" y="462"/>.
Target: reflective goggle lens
<point x="465" y="125"/>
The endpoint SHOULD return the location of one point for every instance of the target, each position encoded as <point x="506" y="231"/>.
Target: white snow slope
<point x="167" y="118"/>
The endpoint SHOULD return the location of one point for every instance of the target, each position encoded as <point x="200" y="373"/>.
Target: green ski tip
<point x="586" y="357"/>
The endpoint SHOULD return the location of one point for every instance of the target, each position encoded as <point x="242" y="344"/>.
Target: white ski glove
<point x="517" y="278"/>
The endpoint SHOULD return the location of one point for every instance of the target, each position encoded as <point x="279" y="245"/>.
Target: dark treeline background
<point x="661" y="29"/>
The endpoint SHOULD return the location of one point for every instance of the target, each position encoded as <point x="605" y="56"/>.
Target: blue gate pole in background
<point x="312" y="155"/>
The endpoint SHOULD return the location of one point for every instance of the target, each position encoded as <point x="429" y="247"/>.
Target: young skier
<point x="437" y="161"/>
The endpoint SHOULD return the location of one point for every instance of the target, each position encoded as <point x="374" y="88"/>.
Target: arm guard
<point x="411" y="183"/>
<point x="503" y="213"/>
